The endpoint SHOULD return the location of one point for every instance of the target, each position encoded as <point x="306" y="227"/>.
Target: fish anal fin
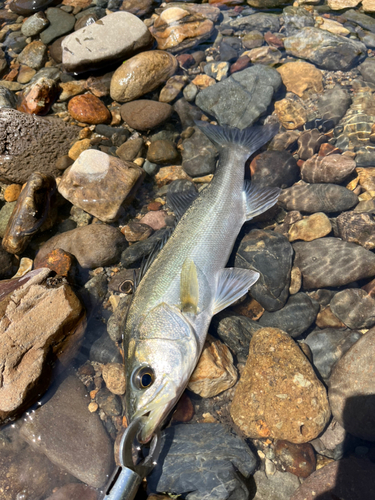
<point x="233" y="284"/>
<point x="189" y="288"/>
<point x="180" y="201"/>
<point x="259" y="199"/>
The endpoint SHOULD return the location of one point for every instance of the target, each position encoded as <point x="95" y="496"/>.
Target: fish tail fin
<point x="249" y="139"/>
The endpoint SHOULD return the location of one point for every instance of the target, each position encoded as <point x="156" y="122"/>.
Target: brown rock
<point x="168" y="174"/>
<point x="114" y="377"/>
<point x="184" y="411"/>
<point x="310" y="228"/>
<point x="332" y="168"/>
<point x="89" y="109"/>
<point x="326" y="319"/>
<point x="137" y="7"/>
<point x="100" y="85"/>
<point x="185" y="61"/>
<point x="301" y="78"/>
<point x="74" y="491"/>
<point x="327" y="148"/>
<point x="278" y="395"/>
<point x="38" y="97"/>
<point x="25" y="74"/>
<point x="82" y="4"/>
<point x="264" y="55"/>
<point x="12" y="192"/>
<point x="214" y="372"/>
<point x="290" y="113"/>
<point x="144" y="114"/>
<point x="34" y="55"/>
<point x="78" y="148"/>
<point x="71" y="89"/>
<point x="241" y="63"/>
<point x="253" y="39"/>
<point x="357" y="228"/>
<point x="295" y="280"/>
<point x="156" y="220"/>
<point x="176" y="29"/>
<point x="142" y="74"/>
<point x="366" y="178"/>
<point x="59" y="261"/>
<point x="299" y="459"/>
<point x="273" y="40"/>
<point x="55" y="49"/>
<point x="135" y="231"/>
<point x="55" y="315"/>
<point x="172" y="88"/>
<point x="250" y="308"/>
<point x="162" y="151"/>
<point x="130" y="149"/>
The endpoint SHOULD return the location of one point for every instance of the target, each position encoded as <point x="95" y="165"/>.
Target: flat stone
<point x="355" y="308"/>
<point x="27" y="7"/>
<point x="199" y="155"/>
<point x="325" y="50"/>
<point x="89" y="109"/>
<point x="142" y="74"/>
<point x="366" y="22"/>
<point x="272" y="288"/>
<point x="73" y="438"/>
<point x="95" y="245"/>
<point x="274" y="169"/>
<point x="278" y="395"/>
<point x="114" y="377"/>
<point x="328" y="346"/>
<point x="330" y="262"/>
<point x="357" y="228"/>
<point x="61" y="23"/>
<point x="240" y="99"/>
<point x="144" y="114"/>
<point x="33" y="55"/>
<point x="202" y="460"/>
<point x="162" y="152"/>
<point x="312" y="198"/>
<point x="279" y="486"/>
<point x="331" y="169"/>
<point x="291" y="113"/>
<point x="94" y="45"/>
<point x="310" y="228"/>
<point x="258" y="21"/>
<point x="342" y="4"/>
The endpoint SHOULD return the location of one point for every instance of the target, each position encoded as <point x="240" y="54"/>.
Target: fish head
<point x="161" y="354"/>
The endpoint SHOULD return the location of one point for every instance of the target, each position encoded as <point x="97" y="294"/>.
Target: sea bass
<point x="187" y="283"/>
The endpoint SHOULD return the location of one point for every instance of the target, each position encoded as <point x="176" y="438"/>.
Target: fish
<point x="187" y="282"/>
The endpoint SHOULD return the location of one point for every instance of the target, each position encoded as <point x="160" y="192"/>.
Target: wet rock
<point x="259" y="21"/>
<point x="161" y="152"/>
<point x="144" y="114"/>
<point x="109" y="403"/>
<point x="89" y="109"/>
<point x="27" y="7"/>
<point x="366" y="22"/>
<point x="56" y="315"/>
<point x="214" y="372"/>
<point x="136" y="231"/>
<point x="366" y="178"/>
<point x="38" y="97"/>
<point x="33" y="55"/>
<point x="279" y="486"/>
<point x="327" y="319"/>
<point x="6" y="264"/>
<point x="330" y="262"/>
<point x="312" y="198"/>
<point x="61" y="23"/>
<point x="332" y="169"/>
<point x="299" y="459"/>
<point x="240" y="99"/>
<point x="95" y="245"/>
<point x="207" y="11"/>
<point x="92" y="176"/>
<point x="342" y="4"/>
<point x="116" y="323"/>
<point x="71" y="89"/>
<point x="156" y="220"/>
<point x="274" y="266"/>
<point x="29" y="213"/>
<point x="7" y="98"/>
<point x="172" y="88"/>
<point x="367" y="70"/>
<point x="59" y="261"/>
<point x="262" y="409"/>
<point x="309" y="143"/>
<point x="130" y="149"/>
<point x="198" y="155"/>
<point x="94" y="45"/>
<point x="310" y="228"/>
<point x="166" y="175"/>
<point x="72" y="437"/>
<point x="78" y="148"/>
<point x="177" y="29"/>
<point x="85" y="21"/>
<point x="301" y="78"/>
<point x="218" y="70"/>
<point x="357" y="228"/>
<point x="74" y="492"/>
<point x="327" y="51"/>
<point x="252" y="39"/>
<point x="354" y="307"/>
<point x="291" y="113"/>
<point x="295" y="317"/>
<point x="264" y="55"/>
<point x="296" y="18"/>
<point x="349" y="479"/>
<point x="187" y="113"/>
<point x="328" y="346"/>
<point x="142" y="248"/>
<point x="332" y="106"/>
<point x="137" y="7"/>
<point x="141" y="74"/>
<point x="194" y="460"/>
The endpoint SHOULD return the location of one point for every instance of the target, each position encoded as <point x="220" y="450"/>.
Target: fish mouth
<point x="153" y="420"/>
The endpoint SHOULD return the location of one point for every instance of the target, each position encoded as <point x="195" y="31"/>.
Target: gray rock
<point x="367" y="38"/>
<point x="7" y="98"/>
<point x="116" y="323"/>
<point x="326" y="50"/>
<point x="295" y="317"/>
<point x="328" y="346"/>
<point x="5" y="213"/>
<point x="330" y="262"/>
<point x="202" y="460"/>
<point x="272" y="288"/>
<point x="332" y="106"/>
<point x="357" y="228"/>
<point x="15" y="41"/>
<point x="73" y="438"/>
<point x="367" y="70"/>
<point x="296" y="18"/>
<point x="95" y="245"/>
<point x="199" y="155"/>
<point x="260" y="21"/>
<point x="366" y="22"/>
<point x="236" y="332"/>
<point x="354" y="307"/>
<point x="327" y="169"/>
<point x="130" y="149"/>
<point x="312" y="198"/>
<point x="109" y="402"/>
<point x="279" y="486"/>
<point x="94" y="45"/>
<point x="33" y="55"/>
<point x="61" y="23"/>
<point x="34" y="24"/>
<point x="190" y="92"/>
<point x="309" y="143"/>
<point x="274" y="169"/>
<point x="242" y="98"/>
<point x="187" y="113"/>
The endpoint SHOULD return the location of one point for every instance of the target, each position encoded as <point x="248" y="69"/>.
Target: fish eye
<point x="144" y="377"/>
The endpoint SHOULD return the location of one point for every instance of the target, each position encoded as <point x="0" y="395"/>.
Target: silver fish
<point x="188" y="282"/>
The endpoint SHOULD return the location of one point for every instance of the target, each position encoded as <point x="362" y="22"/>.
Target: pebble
<point x="294" y="406"/>
<point x="27" y="7"/>
<point x="61" y="23"/>
<point x="279" y="486"/>
<point x="136" y="231"/>
<point x="330" y="169"/>
<point x="264" y="55"/>
<point x="354" y="307"/>
<point x="33" y="55"/>
<point x="357" y="228"/>
<point x="309" y="143"/>
<point x="141" y="74"/>
<point x="215" y="371"/>
<point x="25" y="74"/>
<point x="12" y="192"/>
<point x="218" y="70"/>
<point x="114" y="377"/>
<point x="291" y="113"/>
<point x="166" y="175"/>
<point x="327" y="319"/>
<point x="144" y="114"/>
<point x="162" y="152"/>
<point x="198" y="155"/>
<point x="95" y="245"/>
<point x="89" y="109"/>
<point x="38" y="97"/>
<point x="58" y="261"/>
<point x="310" y="228"/>
<point x="172" y="88"/>
<point x="130" y="149"/>
<point x="184" y="411"/>
<point x="330" y="262"/>
<point x="274" y="169"/>
<point x="299" y="459"/>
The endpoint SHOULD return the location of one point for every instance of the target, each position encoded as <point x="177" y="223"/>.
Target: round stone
<point x="90" y="109"/>
<point x="144" y="114"/>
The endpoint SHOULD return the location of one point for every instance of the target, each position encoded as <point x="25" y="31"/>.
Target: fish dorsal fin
<point x="259" y="199"/>
<point x="189" y="288"/>
<point x="233" y="283"/>
<point x="179" y="201"/>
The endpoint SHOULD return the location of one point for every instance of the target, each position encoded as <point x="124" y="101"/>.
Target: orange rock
<point x="78" y="147"/>
<point x="250" y="308"/>
<point x="327" y="148"/>
<point x="38" y="98"/>
<point x="82" y="4"/>
<point x="59" y="261"/>
<point x="203" y="81"/>
<point x="12" y="192"/>
<point x="153" y="206"/>
<point x="168" y="174"/>
<point x="88" y="108"/>
<point x="184" y="411"/>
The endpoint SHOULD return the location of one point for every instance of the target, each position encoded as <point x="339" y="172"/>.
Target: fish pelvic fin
<point x="189" y="288"/>
<point x="249" y="139"/>
<point x="258" y="199"/>
<point x="233" y="284"/>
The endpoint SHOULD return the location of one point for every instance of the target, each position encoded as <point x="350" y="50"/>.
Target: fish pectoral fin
<point x="258" y="199"/>
<point x="180" y="202"/>
<point x="233" y="283"/>
<point x="189" y="288"/>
